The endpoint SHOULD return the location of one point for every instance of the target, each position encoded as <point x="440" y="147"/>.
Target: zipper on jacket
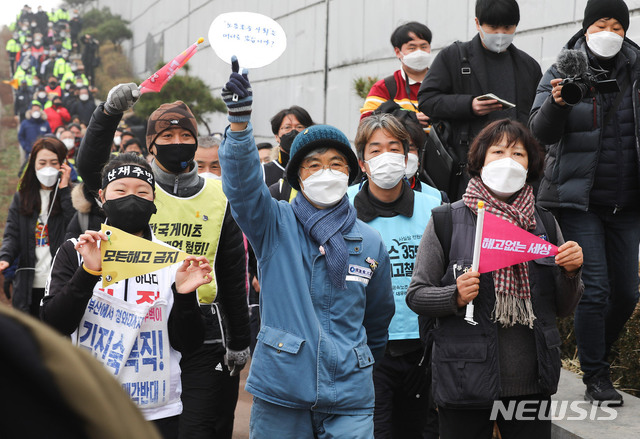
<point x="595" y="114"/>
<point x="175" y="185"/>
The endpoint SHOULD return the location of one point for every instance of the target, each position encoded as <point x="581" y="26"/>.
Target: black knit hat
<point x="597" y="9"/>
<point x="314" y="137"/>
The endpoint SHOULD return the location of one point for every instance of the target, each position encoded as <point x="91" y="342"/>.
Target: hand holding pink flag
<point x="156" y="81"/>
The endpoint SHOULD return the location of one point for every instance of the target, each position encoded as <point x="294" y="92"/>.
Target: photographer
<point x="591" y="180"/>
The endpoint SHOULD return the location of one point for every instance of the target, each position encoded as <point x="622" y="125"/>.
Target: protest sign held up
<point x="125" y="255"/>
<point x="255" y="39"/>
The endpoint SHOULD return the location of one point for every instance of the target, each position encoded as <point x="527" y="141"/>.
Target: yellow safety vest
<point x="192" y="225"/>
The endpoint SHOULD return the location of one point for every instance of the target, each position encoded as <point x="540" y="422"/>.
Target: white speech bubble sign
<point x="255" y="39"/>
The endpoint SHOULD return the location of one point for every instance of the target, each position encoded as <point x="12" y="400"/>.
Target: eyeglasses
<point x="288" y="128"/>
<point x="334" y="168"/>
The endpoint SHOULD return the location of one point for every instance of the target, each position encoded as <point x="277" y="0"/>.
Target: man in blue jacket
<point x="325" y="297"/>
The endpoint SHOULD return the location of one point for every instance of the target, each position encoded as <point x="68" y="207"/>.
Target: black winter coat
<point x="442" y="95"/>
<point x="19" y="240"/>
<point x="574" y="138"/>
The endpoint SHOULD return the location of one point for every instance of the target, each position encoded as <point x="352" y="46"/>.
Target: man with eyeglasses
<point x="285" y="125"/>
<point x="326" y="297"/>
<point x="388" y="204"/>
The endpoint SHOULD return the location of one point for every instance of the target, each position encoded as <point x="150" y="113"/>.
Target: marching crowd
<point x="344" y="273"/>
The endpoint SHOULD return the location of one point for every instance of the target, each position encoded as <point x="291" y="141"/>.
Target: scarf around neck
<point x="326" y="227"/>
<point x="513" y="294"/>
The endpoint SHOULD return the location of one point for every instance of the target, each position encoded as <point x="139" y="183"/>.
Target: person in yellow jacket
<point x="12" y="48"/>
<point x="26" y="72"/>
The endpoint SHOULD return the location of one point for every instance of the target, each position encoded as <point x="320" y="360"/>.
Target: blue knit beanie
<point x="314" y="137"/>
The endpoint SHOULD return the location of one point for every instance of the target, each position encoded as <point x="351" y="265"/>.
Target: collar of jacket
<point x="370" y="208"/>
<point x="173" y="183"/>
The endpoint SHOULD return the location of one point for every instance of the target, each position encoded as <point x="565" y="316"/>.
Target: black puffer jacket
<point x="585" y="163"/>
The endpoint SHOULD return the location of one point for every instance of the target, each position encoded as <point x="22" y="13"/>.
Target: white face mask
<point x="47" y="176"/>
<point x="418" y="60"/>
<point x="117" y="140"/>
<point x="605" y="44"/>
<point x="496" y="42"/>
<point x="387" y="169"/>
<point x="412" y="165"/>
<point x="325" y="188"/>
<point x="84" y="97"/>
<point x="42" y="95"/>
<point x="69" y="143"/>
<point x="210" y="175"/>
<point x="504" y="177"/>
<point x="35" y="115"/>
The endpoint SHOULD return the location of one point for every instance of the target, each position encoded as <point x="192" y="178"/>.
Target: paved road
<point x="243" y="409"/>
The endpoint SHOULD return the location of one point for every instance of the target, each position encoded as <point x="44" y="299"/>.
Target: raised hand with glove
<point x="236" y="360"/>
<point x="238" y="96"/>
<point x="121" y="98"/>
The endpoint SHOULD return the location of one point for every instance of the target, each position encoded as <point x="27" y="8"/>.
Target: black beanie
<point x="597" y="9"/>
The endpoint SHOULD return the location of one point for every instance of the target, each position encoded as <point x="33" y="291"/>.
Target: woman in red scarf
<point x="512" y="354"/>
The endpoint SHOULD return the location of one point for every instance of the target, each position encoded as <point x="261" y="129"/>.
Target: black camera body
<point x="586" y="85"/>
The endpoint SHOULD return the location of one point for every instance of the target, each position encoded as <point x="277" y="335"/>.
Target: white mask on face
<point x="47" y="176"/>
<point x="412" y="165"/>
<point x="496" y="42"/>
<point x="35" y="115"/>
<point x="84" y="97"/>
<point x="69" y="143"/>
<point x="117" y="140"/>
<point x="418" y="60"/>
<point x="504" y="177"/>
<point x="325" y="188"/>
<point x="387" y="169"/>
<point x="605" y="44"/>
<point x="42" y="94"/>
<point x="210" y="175"/>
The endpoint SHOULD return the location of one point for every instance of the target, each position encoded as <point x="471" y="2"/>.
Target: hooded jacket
<point x="30" y="129"/>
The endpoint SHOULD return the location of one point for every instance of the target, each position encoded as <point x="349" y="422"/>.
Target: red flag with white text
<point x="156" y="81"/>
<point x="504" y="244"/>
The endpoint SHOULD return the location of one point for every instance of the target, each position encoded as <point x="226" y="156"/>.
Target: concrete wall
<point x="329" y="43"/>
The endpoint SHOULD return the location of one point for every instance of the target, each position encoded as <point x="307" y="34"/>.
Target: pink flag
<point x="156" y="81"/>
<point x="504" y="244"/>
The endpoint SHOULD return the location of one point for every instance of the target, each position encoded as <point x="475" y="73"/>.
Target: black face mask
<point x="130" y="213"/>
<point x="286" y="140"/>
<point x="175" y="157"/>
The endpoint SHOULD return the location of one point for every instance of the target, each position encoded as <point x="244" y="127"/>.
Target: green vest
<point x="192" y="225"/>
<point x="12" y="46"/>
<point x="28" y="75"/>
<point x="61" y="67"/>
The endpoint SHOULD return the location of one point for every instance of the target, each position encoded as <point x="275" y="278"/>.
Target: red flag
<point x="504" y="244"/>
<point x="156" y="81"/>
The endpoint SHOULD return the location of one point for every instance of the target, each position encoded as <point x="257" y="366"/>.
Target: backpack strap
<point x="443" y="225"/>
<point x="549" y="222"/>
<point x="465" y="74"/>
<point x="392" y="87"/>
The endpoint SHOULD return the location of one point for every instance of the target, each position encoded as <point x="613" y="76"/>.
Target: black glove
<point x="237" y="94"/>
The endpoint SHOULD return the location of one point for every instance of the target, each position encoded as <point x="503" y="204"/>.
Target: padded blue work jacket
<point x="317" y="343"/>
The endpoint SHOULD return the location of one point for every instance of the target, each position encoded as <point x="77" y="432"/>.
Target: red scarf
<point x="513" y="295"/>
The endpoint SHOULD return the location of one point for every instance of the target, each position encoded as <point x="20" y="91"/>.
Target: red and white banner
<point x="504" y="244"/>
<point x="156" y="81"/>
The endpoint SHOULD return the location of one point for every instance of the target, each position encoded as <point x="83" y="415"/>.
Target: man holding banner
<point x="138" y="326"/>
<point x="325" y="297"/>
<point x="511" y="352"/>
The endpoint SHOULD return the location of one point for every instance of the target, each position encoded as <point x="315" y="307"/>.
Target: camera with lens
<point x="586" y="85"/>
